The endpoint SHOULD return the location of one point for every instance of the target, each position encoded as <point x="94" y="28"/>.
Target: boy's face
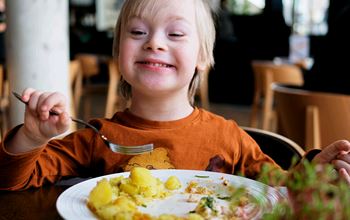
<point x="158" y="51"/>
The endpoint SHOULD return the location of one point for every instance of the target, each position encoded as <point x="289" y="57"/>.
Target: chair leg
<point x="3" y="120"/>
<point x="204" y="96"/>
<point x="112" y="96"/>
<point x="254" y="113"/>
<point x="268" y="102"/>
<point x="312" y="130"/>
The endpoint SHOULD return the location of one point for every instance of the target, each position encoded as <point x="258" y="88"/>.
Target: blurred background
<point x="247" y="30"/>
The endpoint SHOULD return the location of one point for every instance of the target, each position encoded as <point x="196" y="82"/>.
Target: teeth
<point x="157" y="64"/>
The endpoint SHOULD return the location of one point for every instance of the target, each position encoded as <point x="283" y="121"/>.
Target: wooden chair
<point x="76" y="87"/>
<point x="281" y="149"/>
<point x="90" y="66"/>
<point x="4" y="102"/>
<point x="266" y="73"/>
<point x="114" y="102"/>
<point x="202" y="91"/>
<point x="76" y="82"/>
<point x="312" y="119"/>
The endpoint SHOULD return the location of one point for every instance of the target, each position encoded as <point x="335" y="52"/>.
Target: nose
<point x="156" y="42"/>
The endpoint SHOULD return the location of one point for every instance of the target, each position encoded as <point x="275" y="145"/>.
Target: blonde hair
<point x="206" y="33"/>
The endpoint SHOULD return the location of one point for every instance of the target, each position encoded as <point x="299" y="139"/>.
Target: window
<point x="306" y="17"/>
<point x="246" y="7"/>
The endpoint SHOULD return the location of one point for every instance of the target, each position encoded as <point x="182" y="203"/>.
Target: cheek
<point x="124" y="58"/>
<point x="189" y="60"/>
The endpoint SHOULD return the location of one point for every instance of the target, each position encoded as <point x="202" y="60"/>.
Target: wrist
<point x="28" y="137"/>
<point x="22" y="142"/>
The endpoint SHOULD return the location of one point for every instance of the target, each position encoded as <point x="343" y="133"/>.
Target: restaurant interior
<point x="280" y="32"/>
<point x="280" y="72"/>
<point x="298" y="39"/>
<point x="258" y="43"/>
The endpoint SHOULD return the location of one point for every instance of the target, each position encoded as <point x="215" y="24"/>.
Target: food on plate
<point x="173" y="183"/>
<point x="123" y="198"/>
<point x="209" y="207"/>
<point x="119" y="197"/>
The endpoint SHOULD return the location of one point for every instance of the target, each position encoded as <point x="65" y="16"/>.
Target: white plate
<point x="71" y="204"/>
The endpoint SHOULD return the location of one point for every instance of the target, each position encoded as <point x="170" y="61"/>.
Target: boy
<point x="161" y="46"/>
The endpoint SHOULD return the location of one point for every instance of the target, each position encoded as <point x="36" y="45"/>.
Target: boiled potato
<point x="142" y="177"/>
<point x="107" y="212"/>
<point x="129" y="188"/>
<point x="119" y="197"/>
<point x="124" y="203"/>
<point x="194" y="216"/>
<point x="101" y="194"/>
<point x="116" y="180"/>
<point x="173" y="183"/>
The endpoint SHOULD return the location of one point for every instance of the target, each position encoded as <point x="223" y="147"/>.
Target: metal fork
<point x="128" y="150"/>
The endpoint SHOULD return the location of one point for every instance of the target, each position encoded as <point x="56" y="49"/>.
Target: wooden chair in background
<point x="114" y="101"/>
<point x="266" y="73"/>
<point x="312" y="119"/>
<point x="90" y="66"/>
<point x="76" y="87"/>
<point x="4" y="101"/>
<point x="202" y="91"/>
<point x="281" y="149"/>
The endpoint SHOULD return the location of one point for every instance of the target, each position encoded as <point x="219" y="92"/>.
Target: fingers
<point x="341" y="165"/>
<point x="331" y="152"/>
<point x="63" y="122"/>
<point x="344" y="157"/>
<point x="343" y="168"/>
<point x="26" y="94"/>
<point x="344" y="175"/>
<point x="40" y="103"/>
<point x="51" y="101"/>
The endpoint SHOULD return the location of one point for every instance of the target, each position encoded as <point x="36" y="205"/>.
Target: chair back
<point x="114" y="101"/>
<point x="93" y="69"/>
<point x="312" y="119"/>
<point x="281" y="149"/>
<point x="269" y="72"/>
<point x="266" y="73"/>
<point x="89" y="64"/>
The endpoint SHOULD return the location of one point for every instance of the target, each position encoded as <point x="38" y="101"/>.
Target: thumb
<point x="332" y="151"/>
<point x="63" y="122"/>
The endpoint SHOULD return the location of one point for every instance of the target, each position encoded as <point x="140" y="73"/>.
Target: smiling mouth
<point x="156" y="64"/>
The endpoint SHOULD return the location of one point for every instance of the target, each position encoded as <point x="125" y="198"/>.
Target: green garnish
<point x="199" y="176"/>
<point x="207" y="201"/>
<point x="224" y="197"/>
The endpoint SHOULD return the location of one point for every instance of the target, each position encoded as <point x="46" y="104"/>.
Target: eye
<point x="138" y="32"/>
<point x="176" y="34"/>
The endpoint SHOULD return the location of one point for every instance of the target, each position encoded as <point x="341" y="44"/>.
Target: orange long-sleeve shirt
<point x="201" y="141"/>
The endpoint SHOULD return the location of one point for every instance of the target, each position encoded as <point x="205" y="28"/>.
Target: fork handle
<point x="19" y="97"/>
<point x="85" y="123"/>
<point x="52" y="112"/>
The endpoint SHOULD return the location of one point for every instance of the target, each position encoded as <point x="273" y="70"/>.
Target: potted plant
<point x="315" y="192"/>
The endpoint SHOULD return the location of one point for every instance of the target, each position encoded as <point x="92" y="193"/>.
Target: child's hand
<point x="39" y="124"/>
<point x="338" y="154"/>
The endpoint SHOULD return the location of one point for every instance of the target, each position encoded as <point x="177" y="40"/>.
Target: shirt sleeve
<point x="252" y="159"/>
<point x="46" y="164"/>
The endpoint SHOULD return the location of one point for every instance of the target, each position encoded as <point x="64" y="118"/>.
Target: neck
<point x="160" y="109"/>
